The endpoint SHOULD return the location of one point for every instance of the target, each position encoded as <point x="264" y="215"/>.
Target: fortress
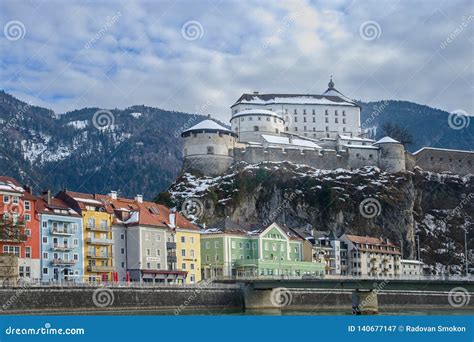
<point x="322" y="131"/>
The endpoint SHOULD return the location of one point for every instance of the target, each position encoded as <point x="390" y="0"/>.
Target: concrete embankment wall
<point x="212" y="300"/>
<point x="66" y="300"/>
<point x="387" y="300"/>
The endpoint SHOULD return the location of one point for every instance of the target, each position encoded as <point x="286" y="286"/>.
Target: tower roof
<point x="387" y="140"/>
<point x="208" y="125"/>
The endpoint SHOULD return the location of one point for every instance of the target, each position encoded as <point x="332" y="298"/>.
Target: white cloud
<point x="288" y="46"/>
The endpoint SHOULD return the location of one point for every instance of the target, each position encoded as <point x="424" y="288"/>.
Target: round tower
<point x="391" y="155"/>
<point x="208" y="148"/>
<point x="250" y="124"/>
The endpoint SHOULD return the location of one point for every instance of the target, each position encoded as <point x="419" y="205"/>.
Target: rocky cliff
<point x="436" y="207"/>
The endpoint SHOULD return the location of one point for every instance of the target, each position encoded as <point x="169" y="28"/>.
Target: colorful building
<point x="232" y="250"/>
<point x="97" y="232"/>
<point x="19" y="227"/>
<point x="62" y="242"/>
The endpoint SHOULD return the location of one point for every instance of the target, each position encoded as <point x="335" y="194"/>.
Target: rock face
<point x="398" y="206"/>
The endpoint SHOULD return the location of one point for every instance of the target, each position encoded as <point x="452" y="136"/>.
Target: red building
<point x="19" y="226"/>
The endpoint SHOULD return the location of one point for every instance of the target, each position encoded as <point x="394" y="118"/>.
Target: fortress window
<point x="296" y="119"/>
<point x="327" y="135"/>
<point x="336" y="120"/>
<point x="304" y="119"/>
<point x="314" y="129"/>
<point x="210" y="150"/>
<point x="343" y="129"/>
<point x="259" y="118"/>
<point x="194" y="135"/>
<point x="326" y="112"/>
<point x="343" y="113"/>
<point x="286" y="128"/>
<point x="343" y="121"/>
<point x="296" y="129"/>
<point x="327" y="129"/>
<point x="275" y="120"/>
<point x="335" y="112"/>
<point x="327" y="120"/>
<point x="305" y="128"/>
<point x="250" y="118"/>
<point x="276" y="130"/>
<point x="314" y="135"/>
<point x="295" y="112"/>
<point x="371" y="156"/>
<point x="314" y="119"/>
<point x="255" y="128"/>
<point x="314" y="112"/>
<point x="268" y="118"/>
<point x="241" y="119"/>
<point x="304" y="111"/>
<point x="431" y="158"/>
<point x="286" y="111"/>
<point x="440" y="159"/>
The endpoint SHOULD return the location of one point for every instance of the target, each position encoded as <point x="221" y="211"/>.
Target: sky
<point x="200" y="56"/>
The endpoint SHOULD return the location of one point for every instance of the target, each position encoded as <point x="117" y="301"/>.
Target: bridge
<point x="260" y="292"/>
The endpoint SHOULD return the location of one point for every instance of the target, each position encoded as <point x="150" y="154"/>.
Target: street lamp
<point x="418" y="248"/>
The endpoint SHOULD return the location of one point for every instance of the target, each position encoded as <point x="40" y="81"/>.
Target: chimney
<point x="255" y="92"/>
<point x="172" y="218"/>
<point x="28" y="189"/>
<point x="113" y="195"/>
<point x="47" y="196"/>
<point x="139" y="198"/>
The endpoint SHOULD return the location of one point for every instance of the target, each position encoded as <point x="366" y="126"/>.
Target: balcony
<point x="61" y="231"/>
<point x="61" y="247"/>
<point x="94" y="228"/>
<point x="99" y="255"/>
<point x="61" y="262"/>
<point x="171" y="258"/>
<point x="94" y="268"/>
<point x="171" y="245"/>
<point x="100" y="241"/>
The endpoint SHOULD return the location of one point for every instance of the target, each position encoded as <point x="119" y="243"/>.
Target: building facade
<point x="19" y="227"/>
<point x="62" y="241"/>
<point x="271" y="251"/>
<point x="97" y="232"/>
<point x="372" y="257"/>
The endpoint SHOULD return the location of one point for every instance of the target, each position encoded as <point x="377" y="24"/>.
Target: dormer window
<point x="210" y="150"/>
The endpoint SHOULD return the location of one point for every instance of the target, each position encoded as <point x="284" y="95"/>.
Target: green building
<point x="231" y="250"/>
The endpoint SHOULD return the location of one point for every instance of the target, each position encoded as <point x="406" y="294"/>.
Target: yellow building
<point x="188" y="246"/>
<point x="98" y="241"/>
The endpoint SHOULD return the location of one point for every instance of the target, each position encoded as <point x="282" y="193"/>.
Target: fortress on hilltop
<point x="322" y="131"/>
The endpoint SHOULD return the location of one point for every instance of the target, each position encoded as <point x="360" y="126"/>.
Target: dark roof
<point x="269" y="97"/>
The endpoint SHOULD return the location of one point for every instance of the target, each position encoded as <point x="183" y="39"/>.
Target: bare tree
<point x="397" y="132"/>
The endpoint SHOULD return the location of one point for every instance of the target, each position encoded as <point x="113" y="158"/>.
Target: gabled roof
<point x="369" y="240"/>
<point x="43" y="207"/>
<point x="266" y="99"/>
<point x="208" y="125"/>
<point x="287" y="142"/>
<point x="228" y="226"/>
<point x="10" y="184"/>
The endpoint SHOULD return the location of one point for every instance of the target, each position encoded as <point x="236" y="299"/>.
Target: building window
<point x="122" y="250"/>
<point x="45" y="224"/>
<point x="148" y="265"/>
<point x="45" y="239"/>
<point x="336" y="120"/>
<point x="45" y="270"/>
<point x="122" y="236"/>
<point x="45" y="255"/>
<point x="15" y="200"/>
<point x="208" y="245"/>
<point x="183" y="252"/>
<point x="216" y="244"/>
<point x="343" y="113"/>
<point x="28" y="232"/>
<point x="210" y="150"/>
<point x="183" y="239"/>
<point x="314" y="112"/>
<point x="335" y="112"/>
<point x="326" y="112"/>
<point x="183" y="266"/>
<point x="27" y="252"/>
<point x="6" y="199"/>
<point x="296" y="119"/>
<point x="233" y="244"/>
<point x="27" y="205"/>
<point x="327" y="130"/>
<point x="148" y="252"/>
<point x="295" y="112"/>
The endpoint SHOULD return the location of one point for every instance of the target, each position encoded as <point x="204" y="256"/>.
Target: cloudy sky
<point x="200" y="56"/>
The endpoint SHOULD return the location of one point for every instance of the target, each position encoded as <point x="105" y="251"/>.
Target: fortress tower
<point x="208" y="148"/>
<point x="250" y="124"/>
<point x="391" y="155"/>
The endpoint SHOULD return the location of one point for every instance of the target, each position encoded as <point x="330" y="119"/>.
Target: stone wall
<point x="438" y="160"/>
<point x="79" y="299"/>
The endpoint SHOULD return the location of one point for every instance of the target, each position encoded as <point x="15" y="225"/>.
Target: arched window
<point x="255" y="128"/>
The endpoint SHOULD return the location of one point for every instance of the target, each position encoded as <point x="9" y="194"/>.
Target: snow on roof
<point x="346" y="137"/>
<point x="441" y="149"/>
<point x="277" y="140"/>
<point x="369" y="147"/>
<point x="257" y="111"/>
<point x="86" y="200"/>
<point x="387" y="140"/>
<point x="208" y="124"/>
<point x="326" y="99"/>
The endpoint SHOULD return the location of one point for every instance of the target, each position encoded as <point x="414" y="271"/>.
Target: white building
<point x="372" y="257"/>
<point x="313" y="116"/>
<point x="411" y="268"/>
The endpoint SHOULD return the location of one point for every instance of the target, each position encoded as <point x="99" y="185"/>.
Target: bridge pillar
<point x="267" y="301"/>
<point x="365" y="302"/>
